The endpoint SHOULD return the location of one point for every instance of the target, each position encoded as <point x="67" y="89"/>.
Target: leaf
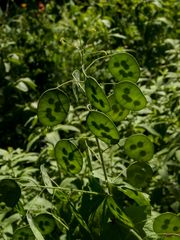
<point x="24" y="231"/>
<point x="10" y="192"/>
<point x="68" y="156"/>
<point x="53" y="107"/>
<point x="167" y="224"/>
<point x="118" y="213"/>
<point x="46" y="179"/>
<point x="117" y="112"/>
<point x="139" y="147"/>
<point x="138" y="174"/>
<point x="96" y="95"/>
<point x="33" y="227"/>
<point x="79" y="218"/>
<point x="129" y="96"/>
<point x="21" y="86"/>
<point x="28" y="82"/>
<point x="102" y="127"/>
<point x="124" y="66"/>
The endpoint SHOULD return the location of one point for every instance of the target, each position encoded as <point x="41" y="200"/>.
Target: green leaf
<point x="24" y="231"/>
<point x="33" y="227"/>
<point x="45" y="223"/>
<point x="139" y="147"/>
<point x="68" y="156"/>
<point x="129" y="96"/>
<point x="138" y="174"/>
<point x="79" y="218"/>
<point x="46" y="179"/>
<point x="21" y="86"/>
<point x="118" y="213"/>
<point x="117" y="112"/>
<point x="167" y="225"/>
<point x="96" y="95"/>
<point x="102" y="127"/>
<point x="124" y="66"/>
<point x="53" y="107"/>
<point x="10" y="192"/>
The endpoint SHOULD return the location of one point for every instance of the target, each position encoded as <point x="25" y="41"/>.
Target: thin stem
<point x="103" y="165"/>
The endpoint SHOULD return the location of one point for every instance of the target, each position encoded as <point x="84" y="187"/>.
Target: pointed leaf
<point x="53" y="107"/>
<point x="129" y="96"/>
<point x="124" y="66"/>
<point x="138" y="174"/>
<point x="68" y="156"/>
<point x="117" y="112"/>
<point x="139" y="147"/>
<point x="102" y="127"/>
<point x="96" y="95"/>
<point x="167" y="224"/>
<point x="46" y="179"/>
<point x="33" y="227"/>
<point x="118" y="213"/>
<point x="10" y="192"/>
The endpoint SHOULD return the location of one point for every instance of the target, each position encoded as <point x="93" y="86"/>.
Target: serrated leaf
<point x="129" y="96"/>
<point x="117" y="112"/>
<point x="124" y="66"/>
<point x="102" y="127"/>
<point x="138" y="174"/>
<point x="68" y="156"/>
<point x="96" y="95"/>
<point x="53" y="107"/>
<point x="139" y="147"/>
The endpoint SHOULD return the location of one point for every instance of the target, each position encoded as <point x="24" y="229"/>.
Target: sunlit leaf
<point x="33" y="227"/>
<point x="139" y="147"/>
<point x="138" y="174"/>
<point x="68" y="156"/>
<point x="53" y="107"/>
<point x="96" y="95"/>
<point x="129" y="96"/>
<point x="10" y="192"/>
<point x="124" y="66"/>
<point x="102" y="127"/>
<point x="117" y="112"/>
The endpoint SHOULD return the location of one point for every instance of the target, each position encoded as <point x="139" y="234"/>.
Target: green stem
<point x="103" y="165"/>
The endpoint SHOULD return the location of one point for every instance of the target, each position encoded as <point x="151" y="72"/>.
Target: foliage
<point x="76" y="177"/>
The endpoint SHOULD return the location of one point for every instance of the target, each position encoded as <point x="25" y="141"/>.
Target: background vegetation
<point x="41" y="48"/>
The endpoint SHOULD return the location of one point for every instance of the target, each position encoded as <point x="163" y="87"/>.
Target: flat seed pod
<point x="138" y="174"/>
<point x="23" y="233"/>
<point x="53" y="107"/>
<point x="129" y="96"/>
<point x="96" y="95"/>
<point x="167" y="224"/>
<point x="117" y="112"/>
<point x="45" y="223"/>
<point x="102" y="127"/>
<point x="68" y="156"/>
<point x="139" y="147"/>
<point x="124" y="66"/>
<point x="10" y="192"/>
